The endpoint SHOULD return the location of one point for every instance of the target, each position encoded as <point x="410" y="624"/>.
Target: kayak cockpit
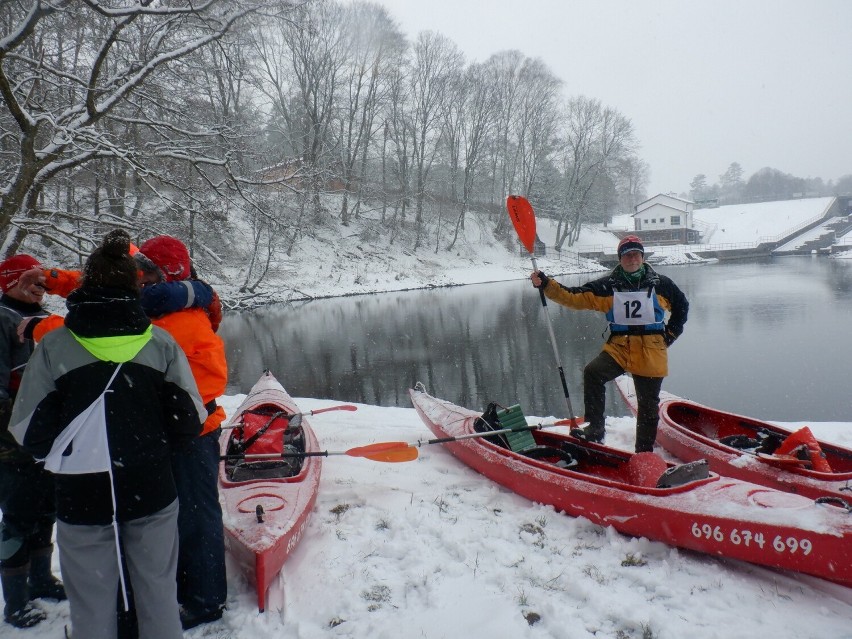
<point x="639" y="470"/>
<point x="266" y="443"/>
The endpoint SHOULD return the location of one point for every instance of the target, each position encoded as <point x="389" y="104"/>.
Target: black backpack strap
<point x="241" y="447"/>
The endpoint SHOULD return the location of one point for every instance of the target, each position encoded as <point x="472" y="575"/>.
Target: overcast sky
<point x="705" y="82"/>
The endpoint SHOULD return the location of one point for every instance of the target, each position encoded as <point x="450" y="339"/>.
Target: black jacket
<point x="153" y="404"/>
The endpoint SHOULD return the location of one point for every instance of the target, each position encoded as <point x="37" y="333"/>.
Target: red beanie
<point x="12" y="268"/>
<point x="170" y="255"/>
<point x="630" y="243"/>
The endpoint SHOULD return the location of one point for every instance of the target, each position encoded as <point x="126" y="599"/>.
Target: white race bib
<point x="633" y="308"/>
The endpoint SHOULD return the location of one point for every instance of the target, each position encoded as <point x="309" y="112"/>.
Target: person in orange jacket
<point x="157" y="299"/>
<point x="202" y="586"/>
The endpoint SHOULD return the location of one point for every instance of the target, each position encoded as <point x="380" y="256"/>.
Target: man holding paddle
<point x="635" y="299"/>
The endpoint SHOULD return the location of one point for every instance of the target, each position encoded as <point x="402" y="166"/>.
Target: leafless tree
<point x="536" y="120"/>
<point x="632" y="182"/>
<point x="593" y="139"/>
<point x="317" y="51"/>
<point x="373" y="44"/>
<point x="434" y="59"/>
<point x="398" y="127"/>
<point x="506" y="66"/>
<point x="476" y="123"/>
<point x="87" y="96"/>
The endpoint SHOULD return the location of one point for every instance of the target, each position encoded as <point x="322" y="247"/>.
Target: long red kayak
<point x="750" y="449"/>
<point x="715" y="515"/>
<point x="266" y="503"/>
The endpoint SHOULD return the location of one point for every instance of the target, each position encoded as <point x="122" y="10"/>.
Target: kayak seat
<point x="522" y="441"/>
<point x="684" y="474"/>
<point x="266" y="430"/>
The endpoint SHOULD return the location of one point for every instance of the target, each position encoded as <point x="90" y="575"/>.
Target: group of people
<point x="112" y="431"/>
<point x="109" y="430"/>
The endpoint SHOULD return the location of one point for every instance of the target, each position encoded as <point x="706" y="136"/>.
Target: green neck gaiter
<point x="636" y="276"/>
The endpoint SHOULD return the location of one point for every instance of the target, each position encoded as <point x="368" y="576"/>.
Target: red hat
<point x="170" y="255"/>
<point x="630" y="243"/>
<point x="12" y="268"/>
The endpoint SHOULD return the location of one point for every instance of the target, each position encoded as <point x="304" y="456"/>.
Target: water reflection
<point x="764" y="339"/>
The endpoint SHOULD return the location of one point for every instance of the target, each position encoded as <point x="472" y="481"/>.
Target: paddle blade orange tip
<point x="385" y="452"/>
<point x="523" y="219"/>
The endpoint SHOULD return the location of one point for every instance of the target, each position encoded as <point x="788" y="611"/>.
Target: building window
<point x="653" y="220"/>
<point x="675" y="220"/>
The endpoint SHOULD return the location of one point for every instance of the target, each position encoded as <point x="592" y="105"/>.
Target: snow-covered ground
<point x="429" y="549"/>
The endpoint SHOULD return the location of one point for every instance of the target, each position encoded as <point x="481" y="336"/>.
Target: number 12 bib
<point x="633" y="308"/>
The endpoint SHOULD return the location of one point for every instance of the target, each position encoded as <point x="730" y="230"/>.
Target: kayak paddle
<point x="523" y="219"/>
<point x="391" y="452"/>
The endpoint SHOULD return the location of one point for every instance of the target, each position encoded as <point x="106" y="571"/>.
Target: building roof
<point x="668" y="195"/>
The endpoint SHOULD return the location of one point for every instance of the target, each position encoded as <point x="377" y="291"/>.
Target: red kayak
<point x="640" y="494"/>
<point x="750" y="449"/>
<point x="266" y="502"/>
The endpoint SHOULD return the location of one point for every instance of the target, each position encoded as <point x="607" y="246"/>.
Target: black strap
<point x="244" y="446"/>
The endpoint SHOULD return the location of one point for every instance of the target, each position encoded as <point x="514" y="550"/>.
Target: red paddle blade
<point x="523" y="219"/>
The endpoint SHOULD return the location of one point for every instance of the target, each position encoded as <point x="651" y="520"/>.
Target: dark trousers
<point x="604" y="369"/>
<point x="201" y="580"/>
<point x="27" y="500"/>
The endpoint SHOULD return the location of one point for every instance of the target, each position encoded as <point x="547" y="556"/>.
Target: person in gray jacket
<point x="103" y="401"/>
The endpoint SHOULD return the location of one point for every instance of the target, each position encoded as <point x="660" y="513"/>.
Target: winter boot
<point x="43" y="583"/>
<point x="19" y="612"/>
<point x="589" y="434"/>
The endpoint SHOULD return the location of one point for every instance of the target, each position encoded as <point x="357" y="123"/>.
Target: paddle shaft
<point x="308" y="413"/>
<point x="523" y="219"/>
<point x="500" y="431"/>
<point x="391" y="452"/>
<point x="259" y="456"/>
<point x="555" y="349"/>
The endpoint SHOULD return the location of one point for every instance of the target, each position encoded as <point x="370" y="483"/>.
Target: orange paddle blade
<point x="579" y="421"/>
<point x="385" y="452"/>
<point x="341" y="407"/>
<point x="523" y="219"/>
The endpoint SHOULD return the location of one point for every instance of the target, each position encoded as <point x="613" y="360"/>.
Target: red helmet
<point x="630" y="243"/>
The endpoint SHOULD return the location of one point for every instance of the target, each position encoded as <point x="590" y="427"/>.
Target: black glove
<point x="669" y="337"/>
<point x="544" y="280"/>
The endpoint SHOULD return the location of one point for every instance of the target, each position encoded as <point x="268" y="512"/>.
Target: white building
<point x="665" y="219"/>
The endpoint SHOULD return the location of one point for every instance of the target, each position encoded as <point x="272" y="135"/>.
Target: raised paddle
<point x="523" y="219"/>
<point x="391" y="452"/>
<point x="317" y="411"/>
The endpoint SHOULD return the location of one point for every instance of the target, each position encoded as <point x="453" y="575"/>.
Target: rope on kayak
<point x="835" y="501"/>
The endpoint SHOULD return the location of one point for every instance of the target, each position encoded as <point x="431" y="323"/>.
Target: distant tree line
<point x="765" y="185"/>
<point x="190" y="116"/>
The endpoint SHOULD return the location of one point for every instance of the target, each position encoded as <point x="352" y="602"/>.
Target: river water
<point x="767" y="339"/>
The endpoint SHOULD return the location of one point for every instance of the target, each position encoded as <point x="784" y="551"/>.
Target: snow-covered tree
<point x="92" y="117"/>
